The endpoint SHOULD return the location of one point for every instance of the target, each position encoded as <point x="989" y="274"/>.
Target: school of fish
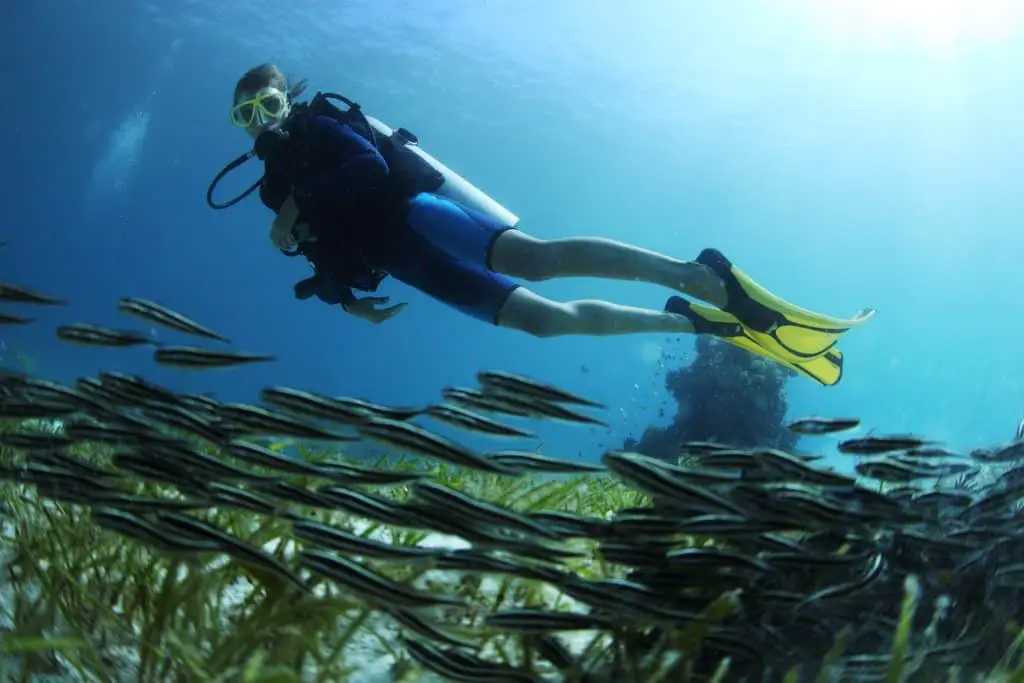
<point x="802" y="552"/>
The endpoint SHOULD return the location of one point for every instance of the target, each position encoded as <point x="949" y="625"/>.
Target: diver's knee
<point x="544" y="328"/>
<point x="535" y="316"/>
<point x="542" y="324"/>
<point x="544" y="260"/>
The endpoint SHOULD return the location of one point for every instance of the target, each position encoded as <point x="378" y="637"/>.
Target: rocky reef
<point x="726" y="395"/>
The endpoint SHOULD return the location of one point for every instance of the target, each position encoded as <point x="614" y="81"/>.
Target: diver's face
<point x="263" y="110"/>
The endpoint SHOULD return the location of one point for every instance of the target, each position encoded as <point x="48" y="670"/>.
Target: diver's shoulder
<point x="325" y="122"/>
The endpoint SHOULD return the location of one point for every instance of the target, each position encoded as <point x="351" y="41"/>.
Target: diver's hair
<point x="267" y="75"/>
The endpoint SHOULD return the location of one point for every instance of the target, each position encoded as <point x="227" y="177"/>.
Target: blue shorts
<point x="444" y="250"/>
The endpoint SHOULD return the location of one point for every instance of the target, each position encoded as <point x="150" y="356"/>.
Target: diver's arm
<point x="361" y="307"/>
<point x="367" y="308"/>
<point x="342" y="296"/>
<point x="288" y="213"/>
<point x="282" y="230"/>
<point x="347" y="298"/>
<point x="274" y="188"/>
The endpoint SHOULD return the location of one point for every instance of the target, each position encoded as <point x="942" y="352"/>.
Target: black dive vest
<point x="409" y="174"/>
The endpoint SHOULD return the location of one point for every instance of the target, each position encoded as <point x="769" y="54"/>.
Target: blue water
<point x="844" y="154"/>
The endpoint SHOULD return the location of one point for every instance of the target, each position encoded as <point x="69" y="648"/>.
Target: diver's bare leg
<point x="526" y="311"/>
<point x="519" y="255"/>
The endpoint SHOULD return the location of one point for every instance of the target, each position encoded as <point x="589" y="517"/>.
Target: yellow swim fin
<point x="826" y="369"/>
<point x="789" y="332"/>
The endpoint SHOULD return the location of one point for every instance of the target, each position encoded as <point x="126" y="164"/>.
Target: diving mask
<point x="263" y="108"/>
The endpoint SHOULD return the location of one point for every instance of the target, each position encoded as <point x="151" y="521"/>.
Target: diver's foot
<point x="713" y="321"/>
<point x="699" y="281"/>
<point x="754" y="314"/>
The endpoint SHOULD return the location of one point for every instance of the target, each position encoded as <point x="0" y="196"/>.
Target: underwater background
<point x="845" y="154"/>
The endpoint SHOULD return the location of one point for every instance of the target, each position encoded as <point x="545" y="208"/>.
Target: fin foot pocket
<point x="704" y="320"/>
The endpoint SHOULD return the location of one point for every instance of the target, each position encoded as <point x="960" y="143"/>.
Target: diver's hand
<point x="281" y="233"/>
<point x="366" y="308"/>
<point x="284" y="224"/>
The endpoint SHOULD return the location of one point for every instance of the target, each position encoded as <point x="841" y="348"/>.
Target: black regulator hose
<point x="220" y="176"/>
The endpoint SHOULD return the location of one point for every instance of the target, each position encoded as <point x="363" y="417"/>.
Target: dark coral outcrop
<point x="726" y="395"/>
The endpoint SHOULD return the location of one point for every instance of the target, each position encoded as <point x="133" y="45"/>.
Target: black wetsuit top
<point x="341" y="187"/>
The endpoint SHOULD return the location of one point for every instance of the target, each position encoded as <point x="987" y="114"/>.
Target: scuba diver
<point x="362" y="201"/>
